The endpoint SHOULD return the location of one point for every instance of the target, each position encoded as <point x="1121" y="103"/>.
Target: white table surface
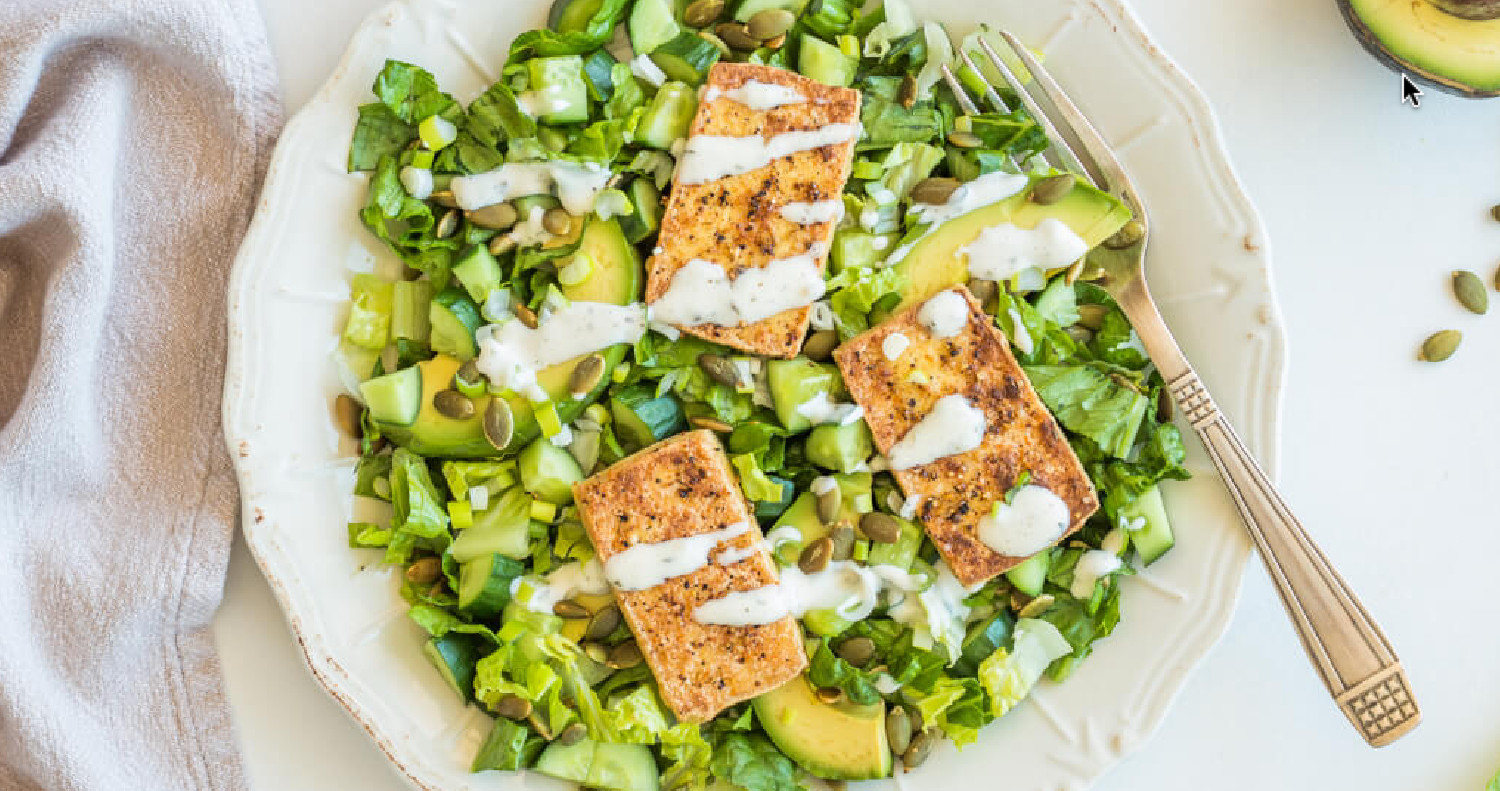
<point x="1392" y="464"/>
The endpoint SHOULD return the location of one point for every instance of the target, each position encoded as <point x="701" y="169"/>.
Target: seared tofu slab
<point x="684" y="486"/>
<point x="736" y="221"/>
<point x="1020" y="436"/>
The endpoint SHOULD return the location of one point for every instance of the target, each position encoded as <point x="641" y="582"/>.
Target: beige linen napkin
<point x="133" y="136"/>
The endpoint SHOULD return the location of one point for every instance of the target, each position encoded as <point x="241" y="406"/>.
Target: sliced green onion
<point x="598" y="413"/>
<point x="620" y="373"/>
<point x="849" y="45"/>
<point x="862" y="550"/>
<point x="543" y="511"/>
<point x="546" y="417"/>
<point x="471" y="389"/>
<point x="577" y="270"/>
<point x="422" y="159"/>
<point x="865" y="169"/>
<point x="461" y="513"/>
<point x="437" y="132"/>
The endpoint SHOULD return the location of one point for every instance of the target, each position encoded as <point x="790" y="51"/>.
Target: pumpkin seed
<point x="453" y="404"/>
<point x="557" y="221"/>
<point x="769" y="24"/>
<point x="1495" y="212"/>
<point x="857" y="651"/>
<point x="586" y="375"/>
<point x="815" y="556"/>
<point x="443" y="198"/>
<point x="917" y="724"/>
<point x="724" y="51"/>
<point x="624" y="656"/>
<point x="720" y="369"/>
<point x="1079" y="333"/>
<point x="965" y="139"/>
<point x="499" y="425"/>
<point x="775" y="43"/>
<point x="710" y="423"/>
<point x="1037" y="606"/>
<point x="496" y="216"/>
<point x="525" y="314"/>
<point x="1129" y="234"/>
<point x="1052" y="189"/>
<point x="502" y="244"/>
<point x="604" y="623"/>
<point x="880" y="528"/>
<point x="572" y="734"/>
<point x="596" y="652"/>
<point x="1164" y="406"/>
<point x="1441" y="345"/>
<point x="1471" y="292"/>
<point x="347" y="413"/>
<point x="983" y="290"/>
<point x="842" y="536"/>
<point x="906" y="95"/>
<point x="898" y="729"/>
<point x="424" y="571"/>
<point x="820" y="345"/>
<point x="735" y="35"/>
<point x="513" y="707"/>
<point x="447" y="225"/>
<point x="918" y="750"/>
<point x="934" y="190"/>
<point x="1092" y="316"/>
<point x="702" y="13"/>
<point x="830" y="503"/>
<point x="570" y="609"/>
<point x="829" y="695"/>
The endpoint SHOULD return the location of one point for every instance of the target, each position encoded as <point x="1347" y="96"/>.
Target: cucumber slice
<point x="686" y="58"/>
<point x="454" y="318"/>
<point x="749" y="8"/>
<point x="824" y="62"/>
<point x="667" y="116"/>
<point x="454" y="655"/>
<point x="602" y="765"/>
<point x="574" y="16"/>
<point x="510" y="745"/>
<point x="484" y="584"/>
<point x="559" y="84"/>
<point x="548" y="472"/>
<point x="902" y="551"/>
<point x="652" y="24"/>
<point x="598" y="70"/>
<point x="395" y="398"/>
<point x="646" y="219"/>
<point x="642" y="419"/>
<point x="409" y="300"/>
<point x="568" y="761"/>
<point x="1155" y="538"/>
<point x="500" y="529"/>
<point x="839" y="448"/>
<point x="826" y="622"/>
<point x="1032" y="574"/>
<point x="479" y="272"/>
<point x="793" y="382"/>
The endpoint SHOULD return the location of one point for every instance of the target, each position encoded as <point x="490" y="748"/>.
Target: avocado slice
<point x="934" y="263"/>
<point x="1452" y="44"/>
<point x="615" y="279"/>
<point x="835" y="741"/>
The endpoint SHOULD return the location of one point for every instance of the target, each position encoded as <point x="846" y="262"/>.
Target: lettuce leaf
<point x="690" y="757"/>
<point x="752" y="762"/>
<point x="1008" y="675"/>
<point x="638" y="717"/>
<point x="855" y="291"/>
<point x="536" y="662"/>
<point x="550" y="43"/>
<point x="412" y="94"/>
<point x="905" y="165"/>
<point x="438" y="622"/>
<point x="826" y="669"/>
<point x="753" y="480"/>
<point x="1081" y="623"/>
<point x="509" y="746"/>
<point x="417" y="513"/>
<point x="377" y="133"/>
<point x="1090" y="402"/>
<point x="495" y="117"/>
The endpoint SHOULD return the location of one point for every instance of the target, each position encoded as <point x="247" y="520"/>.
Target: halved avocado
<point x="835" y="741"/>
<point x="934" y="262"/>
<point x="615" y="279"/>
<point x="1452" y="44"/>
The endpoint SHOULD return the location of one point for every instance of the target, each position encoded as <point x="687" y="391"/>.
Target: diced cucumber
<point x="499" y="529"/>
<point x="749" y="8"/>
<point x="981" y="640"/>
<point x="454" y="655"/>
<point x="794" y="382"/>
<point x="1155" y="537"/>
<point x="479" y="273"/>
<point x="857" y="249"/>
<point x="369" y="323"/>
<point x="602" y="765"/>
<point x="839" y="448"/>
<point x="641" y="418"/>
<point x="409" y="309"/>
<point x="598" y="72"/>
<point x="652" y="24"/>
<point x="568" y="761"/>
<point x="902" y="551"/>
<point x="773" y="509"/>
<point x="548" y="472"/>
<point x="686" y="58"/>
<point x="394" y="398"/>
<point x="573" y="16"/>
<point x="824" y="62"/>
<point x="558" y="85"/>
<point x="645" y="200"/>
<point x="454" y="318"/>
<point x="667" y="116"/>
<point x="510" y="745"/>
<point x="1032" y="574"/>
<point x="484" y="584"/>
<point x="825" y="622"/>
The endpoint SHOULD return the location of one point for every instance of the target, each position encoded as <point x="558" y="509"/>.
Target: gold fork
<point x="1351" y="654"/>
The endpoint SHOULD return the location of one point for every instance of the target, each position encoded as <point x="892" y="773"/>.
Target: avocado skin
<point x="1470" y="9"/>
<point x="1394" y="62"/>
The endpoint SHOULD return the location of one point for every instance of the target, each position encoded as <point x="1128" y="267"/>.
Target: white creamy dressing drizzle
<point x="811" y="213"/>
<point x="1001" y="252"/>
<point x="511" y="353"/>
<point x="711" y="157"/>
<point x="565" y="582"/>
<point x="987" y="189"/>
<point x="701" y="292"/>
<point x="848" y="588"/>
<point x="531" y="230"/>
<point x="1034" y="519"/>
<point x="575" y="184"/>
<point x="945" y="314"/>
<point x="821" y="409"/>
<point x="937" y="615"/>
<point x="758" y="95"/>
<point x="786" y="534"/>
<point x="734" y="555"/>
<point x="953" y="426"/>
<point x="1020" y="336"/>
<point x="893" y="345"/>
<point x="1092" y="565"/>
<point x="648" y="565"/>
<point x="909" y="506"/>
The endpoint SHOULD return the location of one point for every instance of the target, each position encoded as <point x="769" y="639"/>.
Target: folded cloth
<point x="133" y="137"/>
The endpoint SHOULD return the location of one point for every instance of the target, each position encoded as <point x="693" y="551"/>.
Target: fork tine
<point x="1070" y="160"/>
<point x="989" y="90"/>
<point x="964" y="102"/>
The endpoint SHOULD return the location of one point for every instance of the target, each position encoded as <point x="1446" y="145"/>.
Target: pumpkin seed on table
<point x="604" y="623"/>
<point x="769" y="23"/>
<point x="525" y="314"/>
<point x="898" y="729"/>
<point x="842" y="537"/>
<point x="857" y="651"/>
<point x="815" y="556"/>
<point x="934" y="190"/>
<point x="1471" y="292"/>
<point x="586" y="375"/>
<point x="1052" y="189"/>
<point x="572" y="734"/>
<point x="735" y="35"/>
<point x="496" y="216"/>
<point x="347" y="413"/>
<point x="1440" y="346"/>
<point x="918" y="750"/>
<point x="557" y="221"/>
<point x="453" y="404"/>
<point x="820" y="345"/>
<point x="625" y="656"/>
<point x="1495" y="212"/>
<point x="513" y="707"/>
<point x="570" y="609"/>
<point x="499" y="424"/>
<point x="710" y="423"/>
<point x="702" y="13"/>
<point x="880" y="527"/>
<point x="830" y="503"/>
<point x="424" y="571"/>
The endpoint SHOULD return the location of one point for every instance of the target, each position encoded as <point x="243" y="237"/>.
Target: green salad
<point x="478" y="473"/>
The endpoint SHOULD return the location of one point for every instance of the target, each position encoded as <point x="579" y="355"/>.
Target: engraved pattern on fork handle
<point x="1351" y="654"/>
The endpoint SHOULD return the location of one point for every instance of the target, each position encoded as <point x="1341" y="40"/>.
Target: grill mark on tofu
<point x="1020" y="434"/>
<point x="679" y="487"/>
<point x="736" y="221"/>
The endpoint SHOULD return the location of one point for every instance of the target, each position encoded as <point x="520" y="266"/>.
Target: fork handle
<point x="1351" y="654"/>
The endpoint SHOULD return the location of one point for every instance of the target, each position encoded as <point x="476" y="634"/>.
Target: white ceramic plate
<point x="1208" y="268"/>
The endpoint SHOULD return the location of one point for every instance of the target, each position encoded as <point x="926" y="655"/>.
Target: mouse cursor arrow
<point x="1410" y="93"/>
